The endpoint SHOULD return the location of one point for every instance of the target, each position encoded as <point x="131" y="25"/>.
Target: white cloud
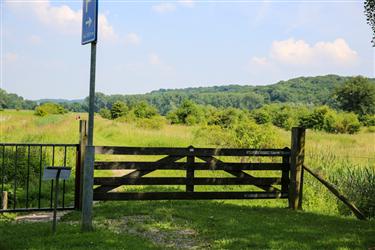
<point x="34" y="39"/>
<point x="299" y="52"/>
<point x="164" y="7"/>
<point x="154" y="59"/>
<point x="259" y="60"/>
<point x="10" y="57"/>
<point x="132" y="38"/>
<point x="187" y="3"/>
<point x="62" y="17"/>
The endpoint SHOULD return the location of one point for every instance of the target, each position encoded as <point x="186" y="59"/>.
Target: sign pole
<point x="88" y="174"/>
<point x="89" y="35"/>
<point x="56" y="201"/>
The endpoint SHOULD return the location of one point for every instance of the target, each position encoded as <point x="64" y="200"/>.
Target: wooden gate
<point x="245" y="167"/>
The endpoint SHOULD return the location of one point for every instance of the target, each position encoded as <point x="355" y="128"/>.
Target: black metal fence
<point x="21" y="176"/>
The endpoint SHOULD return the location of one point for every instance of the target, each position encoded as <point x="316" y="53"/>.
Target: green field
<point x="207" y="224"/>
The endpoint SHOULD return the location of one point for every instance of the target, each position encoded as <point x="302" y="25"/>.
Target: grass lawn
<point x="257" y="224"/>
<point x="193" y="224"/>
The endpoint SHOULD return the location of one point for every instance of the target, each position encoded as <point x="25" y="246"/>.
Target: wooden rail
<point x="337" y="193"/>
<point x="195" y="159"/>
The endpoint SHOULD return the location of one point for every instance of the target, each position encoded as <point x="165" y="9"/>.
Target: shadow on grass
<point x="229" y="226"/>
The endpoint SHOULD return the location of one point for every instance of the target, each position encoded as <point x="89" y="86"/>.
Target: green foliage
<point x="370" y="17"/>
<point x="119" y="109"/>
<point x="367" y="120"/>
<point x="144" y="110"/>
<point x="325" y="119"/>
<point x="50" y="108"/>
<point x="245" y="134"/>
<point x="155" y="122"/>
<point x="261" y="116"/>
<point x="359" y="186"/>
<point x="188" y="113"/>
<point x="13" y="101"/>
<point x="105" y="113"/>
<point x="357" y="95"/>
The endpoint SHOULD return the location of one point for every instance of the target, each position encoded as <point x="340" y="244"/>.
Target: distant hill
<point x="60" y="100"/>
<point x="316" y="90"/>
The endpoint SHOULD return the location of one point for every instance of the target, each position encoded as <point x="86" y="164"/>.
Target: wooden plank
<point x="337" y="193"/>
<point x="241" y="174"/>
<point x="115" y="150"/>
<point x="144" y="165"/>
<point x="188" y="195"/>
<point x="285" y="174"/>
<point x="116" y="181"/>
<point x="190" y="173"/>
<point x="296" y="163"/>
<point x="138" y="173"/>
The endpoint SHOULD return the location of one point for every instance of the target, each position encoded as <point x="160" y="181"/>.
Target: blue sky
<point x="147" y="45"/>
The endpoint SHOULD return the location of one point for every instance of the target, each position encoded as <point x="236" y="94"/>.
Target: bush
<point x="119" y="109"/>
<point x="144" y="110"/>
<point x="367" y="120"/>
<point x="105" y="113"/>
<point x="156" y="122"/>
<point x="325" y="119"/>
<point x="49" y="108"/>
<point x="188" y="113"/>
<point x="261" y="116"/>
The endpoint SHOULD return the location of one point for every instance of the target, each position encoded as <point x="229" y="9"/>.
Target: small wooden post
<point x="285" y="173"/>
<point x="4" y="202"/>
<point x="190" y="171"/>
<point x="80" y="163"/>
<point x="296" y="166"/>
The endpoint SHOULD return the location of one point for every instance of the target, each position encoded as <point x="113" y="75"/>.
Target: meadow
<point x="324" y="223"/>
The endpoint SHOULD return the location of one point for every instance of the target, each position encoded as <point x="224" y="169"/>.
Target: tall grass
<point x="336" y="156"/>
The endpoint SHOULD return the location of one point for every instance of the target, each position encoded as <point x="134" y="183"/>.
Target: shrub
<point x="49" y="108"/>
<point x="156" y="122"/>
<point x="188" y="113"/>
<point x="144" y="110"/>
<point x="367" y="120"/>
<point x="261" y="116"/>
<point x="119" y="109"/>
<point x="105" y="113"/>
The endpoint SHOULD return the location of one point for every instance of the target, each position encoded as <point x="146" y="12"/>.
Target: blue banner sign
<point x="89" y="21"/>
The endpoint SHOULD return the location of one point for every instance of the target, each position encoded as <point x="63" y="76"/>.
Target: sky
<point x="148" y="45"/>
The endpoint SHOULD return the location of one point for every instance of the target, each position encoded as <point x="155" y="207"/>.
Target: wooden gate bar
<point x="116" y="181"/>
<point x="188" y="195"/>
<point x="186" y="152"/>
<point x="137" y="173"/>
<point x="240" y="174"/>
<point x="145" y="165"/>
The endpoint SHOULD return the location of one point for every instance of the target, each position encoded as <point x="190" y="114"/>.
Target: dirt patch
<point x="40" y="216"/>
<point x="163" y="233"/>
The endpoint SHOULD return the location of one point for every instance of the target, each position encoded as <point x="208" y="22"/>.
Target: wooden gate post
<point x="80" y="163"/>
<point x="296" y="167"/>
<point x="4" y="201"/>
<point x="190" y="171"/>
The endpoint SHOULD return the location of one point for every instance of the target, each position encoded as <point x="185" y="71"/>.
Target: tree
<point x="105" y="113"/>
<point x="357" y="95"/>
<point x="118" y="109"/>
<point x="370" y="17"/>
<point x="144" y="110"/>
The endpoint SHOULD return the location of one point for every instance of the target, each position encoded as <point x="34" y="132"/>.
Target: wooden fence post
<point x="190" y="171"/>
<point x="4" y="202"/>
<point x="80" y="163"/>
<point x="296" y="167"/>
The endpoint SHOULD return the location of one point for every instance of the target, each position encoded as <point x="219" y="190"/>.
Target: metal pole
<point x="90" y="152"/>
<point x="56" y="201"/>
